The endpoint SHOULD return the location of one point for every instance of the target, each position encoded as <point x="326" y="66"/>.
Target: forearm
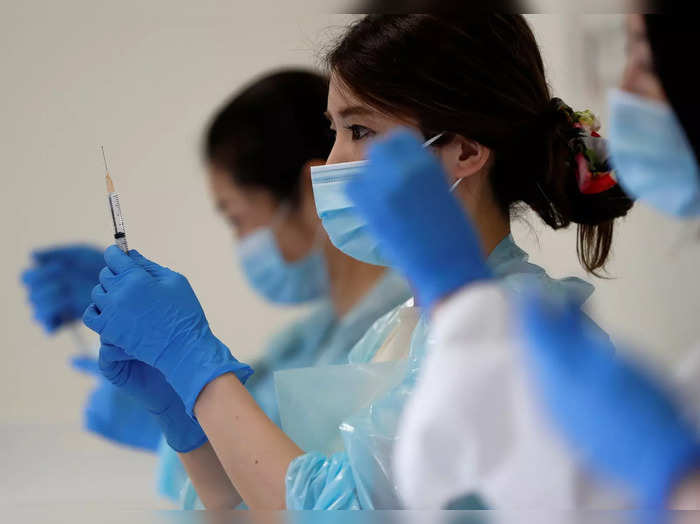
<point x="209" y="478"/>
<point x="254" y="452"/>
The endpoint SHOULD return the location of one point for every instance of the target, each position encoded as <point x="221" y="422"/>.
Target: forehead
<point x="225" y="188"/>
<point x="340" y="96"/>
<point x="636" y="30"/>
<point x="344" y="103"/>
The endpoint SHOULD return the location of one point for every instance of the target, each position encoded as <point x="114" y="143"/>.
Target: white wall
<point x="653" y="297"/>
<point x="141" y="78"/>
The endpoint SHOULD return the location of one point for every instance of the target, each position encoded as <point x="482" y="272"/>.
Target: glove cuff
<point x="204" y="361"/>
<point x="181" y="432"/>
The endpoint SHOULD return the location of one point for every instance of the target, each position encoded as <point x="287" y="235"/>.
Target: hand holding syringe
<point x="119" y="238"/>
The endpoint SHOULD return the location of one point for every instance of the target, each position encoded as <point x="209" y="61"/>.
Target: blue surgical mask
<point x="276" y="279"/>
<point x="346" y="228"/>
<point x="652" y="157"/>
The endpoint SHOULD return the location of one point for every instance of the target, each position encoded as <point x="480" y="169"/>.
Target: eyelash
<point x="359" y="132"/>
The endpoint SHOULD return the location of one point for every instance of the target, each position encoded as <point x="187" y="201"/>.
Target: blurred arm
<point x="209" y="478"/>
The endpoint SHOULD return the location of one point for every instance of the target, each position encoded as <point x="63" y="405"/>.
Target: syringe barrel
<point x="118" y="222"/>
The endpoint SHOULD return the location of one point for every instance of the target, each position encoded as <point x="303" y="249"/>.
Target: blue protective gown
<point x="318" y="339"/>
<point x="359" y="475"/>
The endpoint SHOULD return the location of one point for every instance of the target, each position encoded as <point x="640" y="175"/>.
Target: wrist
<point x="181" y="432"/>
<point x="198" y="364"/>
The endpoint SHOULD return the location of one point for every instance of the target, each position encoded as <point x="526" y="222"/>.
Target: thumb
<point x="118" y="261"/>
<point x="114" y="364"/>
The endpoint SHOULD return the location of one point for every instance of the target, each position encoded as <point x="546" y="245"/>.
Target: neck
<point x="487" y="218"/>
<point x="350" y="279"/>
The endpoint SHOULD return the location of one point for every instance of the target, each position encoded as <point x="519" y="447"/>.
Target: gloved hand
<point x="405" y="198"/>
<point x="152" y="314"/>
<point x="623" y="422"/>
<point x="60" y="282"/>
<point x="85" y="364"/>
<point x="148" y="386"/>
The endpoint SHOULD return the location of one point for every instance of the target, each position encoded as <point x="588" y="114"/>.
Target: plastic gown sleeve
<point x="473" y="425"/>
<point x="360" y="477"/>
<point x="317" y="482"/>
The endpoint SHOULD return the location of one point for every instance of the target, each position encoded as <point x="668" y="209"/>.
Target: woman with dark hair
<point x="284" y="254"/>
<point x="500" y="139"/>
<point x="266" y="197"/>
<point x="625" y="423"/>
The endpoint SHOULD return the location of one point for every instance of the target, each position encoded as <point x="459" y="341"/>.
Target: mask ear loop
<point x="431" y="141"/>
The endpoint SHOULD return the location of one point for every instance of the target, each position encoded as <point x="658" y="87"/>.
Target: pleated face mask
<point x="276" y="279"/>
<point x="652" y="156"/>
<point x="346" y="228"/>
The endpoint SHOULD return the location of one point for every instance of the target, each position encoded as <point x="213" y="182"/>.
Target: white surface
<point x="60" y="465"/>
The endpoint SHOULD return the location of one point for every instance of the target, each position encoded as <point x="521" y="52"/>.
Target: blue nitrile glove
<point x="60" y="281"/>
<point x="152" y="314"/>
<point x="85" y="364"/>
<point x="405" y="198"/>
<point x="623" y="422"/>
<point x="146" y="385"/>
<point x="111" y="413"/>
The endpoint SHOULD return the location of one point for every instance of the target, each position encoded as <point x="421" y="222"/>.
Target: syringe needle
<point x="104" y="159"/>
<point x="108" y="179"/>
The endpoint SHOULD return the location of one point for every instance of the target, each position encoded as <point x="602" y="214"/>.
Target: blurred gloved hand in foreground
<point x="624" y="423"/>
<point x="422" y="229"/>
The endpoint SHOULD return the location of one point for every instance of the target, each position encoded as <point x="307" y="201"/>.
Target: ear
<point x="463" y="157"/>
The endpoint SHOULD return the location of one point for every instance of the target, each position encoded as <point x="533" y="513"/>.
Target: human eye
<point x="360" y="132"/>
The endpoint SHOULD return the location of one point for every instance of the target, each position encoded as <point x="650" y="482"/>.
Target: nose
<point x="341" y="153"/>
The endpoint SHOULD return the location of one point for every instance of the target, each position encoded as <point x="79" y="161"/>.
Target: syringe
<point x="115" y="209"/>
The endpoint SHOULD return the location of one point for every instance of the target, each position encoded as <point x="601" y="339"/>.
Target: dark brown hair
<point x="481" y="76"/>
<point x="282" y="108"/>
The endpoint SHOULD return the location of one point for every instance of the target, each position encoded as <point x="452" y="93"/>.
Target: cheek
<point x="346" y="150"/>
<point x="640" y="81"/>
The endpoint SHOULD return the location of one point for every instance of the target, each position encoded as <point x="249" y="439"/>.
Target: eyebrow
<point x="349" y="111"/>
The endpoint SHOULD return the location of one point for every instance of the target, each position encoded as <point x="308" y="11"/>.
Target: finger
<point x="85" y="364"/>
<point x="118" y="261"/>
<point x="54" y="316"/>
<point x="107" y="278"/>
<point x="99" y="297"/>
<point x="112" y="353"/>
<point x="46" y="295"/>
<point x="37" y="275"/>
<point x="49" y="323"/>
<point x="93" y="319"/>
<point x="113" y="364"/>
<point x="44" y="255"/>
